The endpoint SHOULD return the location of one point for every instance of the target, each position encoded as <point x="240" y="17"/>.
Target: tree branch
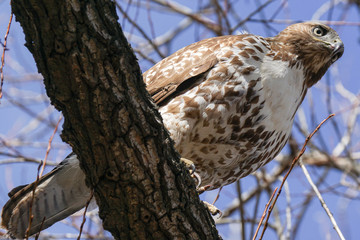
<point x="92" y="76"/>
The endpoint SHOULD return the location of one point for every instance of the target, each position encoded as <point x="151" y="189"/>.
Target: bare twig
<point x="49" y="146"/>
<point x="176" y="7"/>
<point x="288" y="211"/>
<point x="41" y="227"/>
<point x="39" y="174"/>
<point x="3" y="55"/>
<point x="264" y="213"/>
<point x="287" y="21"/>
<point x="22" y="160"/>
<point x="157" y="50"/>
<point x="296" y="159"/>
<point x="84" y="215"/>
<point x="259" y="9"/>
<point x="323" y="204"/>
<point x="241" y="209"/>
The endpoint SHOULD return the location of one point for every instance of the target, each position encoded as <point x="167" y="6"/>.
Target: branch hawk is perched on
<point x="228" y="102"/>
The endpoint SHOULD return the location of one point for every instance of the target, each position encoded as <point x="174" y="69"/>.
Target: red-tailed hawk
<point x="228" y="102"/>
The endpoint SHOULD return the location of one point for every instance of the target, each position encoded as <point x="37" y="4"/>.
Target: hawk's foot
<point x="189" y="164"/>
<point x="192" y="169"/>
<point x="212" y="209"/>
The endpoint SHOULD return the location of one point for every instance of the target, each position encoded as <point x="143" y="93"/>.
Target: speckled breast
<point x="226" y="124"/>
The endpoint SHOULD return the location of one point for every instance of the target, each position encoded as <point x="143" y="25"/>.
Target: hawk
<point x="228" y="102"/>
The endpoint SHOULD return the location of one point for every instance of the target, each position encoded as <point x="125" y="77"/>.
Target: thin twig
<point x="287" y="21"/>
<point x="306" y="204"/>
<point x="256" y="208"/>
<point x="296" y="159"/>
<point x="259" y="9"/>
<point x="29" y="111"/>
<point x="22" y="160"/>
<point x="217" y="196"/>
<point x="268" y="180"/>
<point x="84" y="215"/>
<point x="241" y="209"/>
<point x="206" y="22"/>
<point x="323" y="204"/>
<point x="264" y="213"/>
<point x="288" y="211"/>
<point x="157" y="50"/>
<point x="49" y="146"/>
<point x="39" y="174"/>
<point x="41" y="228"/>
<point x="3" y="55"/>
<point x="222" y="15"/>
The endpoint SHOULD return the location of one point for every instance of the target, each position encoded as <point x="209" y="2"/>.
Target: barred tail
<point x="59" y="194"/>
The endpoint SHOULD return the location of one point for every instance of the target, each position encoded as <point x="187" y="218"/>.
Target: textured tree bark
<point x="92" y="76"/>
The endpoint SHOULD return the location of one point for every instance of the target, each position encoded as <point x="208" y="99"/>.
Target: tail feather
<point x="59" y="194"/>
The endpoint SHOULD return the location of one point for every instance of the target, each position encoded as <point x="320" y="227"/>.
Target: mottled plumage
<point x="228" y="102"/>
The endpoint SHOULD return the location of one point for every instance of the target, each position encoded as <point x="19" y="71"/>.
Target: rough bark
<point x="92" y="76"/>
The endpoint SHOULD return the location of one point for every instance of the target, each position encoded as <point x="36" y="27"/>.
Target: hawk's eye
<point x="319" y="31"/>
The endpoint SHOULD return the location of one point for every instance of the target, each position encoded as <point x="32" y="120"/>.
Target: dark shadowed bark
<point x="92" y="76"/>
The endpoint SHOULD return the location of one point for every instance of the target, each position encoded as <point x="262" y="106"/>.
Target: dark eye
<point x="319" y="31"/>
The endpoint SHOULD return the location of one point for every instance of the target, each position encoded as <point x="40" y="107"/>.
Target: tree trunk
<point x="92" y="76"/>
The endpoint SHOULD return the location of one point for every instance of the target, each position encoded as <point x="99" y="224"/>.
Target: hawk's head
<point x="315" y="45"/>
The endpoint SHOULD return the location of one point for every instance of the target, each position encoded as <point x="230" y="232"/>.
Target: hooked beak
<point x="337" y="50"/>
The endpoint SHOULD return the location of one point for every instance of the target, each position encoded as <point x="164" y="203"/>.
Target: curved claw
<point x="192" y="169"/>
<point x="198" y="179"/>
